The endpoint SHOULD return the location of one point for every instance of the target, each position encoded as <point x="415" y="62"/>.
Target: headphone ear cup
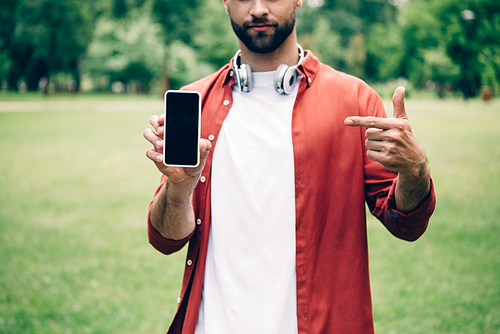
<point x="246" y="80"/>
<point x="289" y="79"/>
<point x="279" y="77"/>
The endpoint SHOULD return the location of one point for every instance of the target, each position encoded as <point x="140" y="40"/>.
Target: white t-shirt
<point x="250" y="282"/>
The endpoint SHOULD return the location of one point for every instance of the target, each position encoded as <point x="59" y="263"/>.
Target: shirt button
<point x="178" y="300"/>
<point x="226" y="102"/>
<point x="203" y="179"/>
<point x="211" y="137"/>
<point x="198" y="221"/>
<point x="309" y="79"/>
<point x="189" y="262"/>
<point x="231" y="73"/>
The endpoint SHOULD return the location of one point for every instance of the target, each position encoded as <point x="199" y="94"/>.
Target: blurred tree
<point x="142" y="41"/>
<point x="325" y="43"/>
<point x="454" y="43"/>
<point x="178" y="19"/>
<point x="119" y="8"/>
<point x="186" y="65"/>
<point x="7" y="26"/>
<point x="214" y="41"/>
<point x="421" y="31"/>
<point x="440" y="71"/>
<point x="355" y="55"/>
<point x="50" y="36"/>
<point x="338" y="32"/>
<point x="384" y="52"/>
<point x="472" y="29"/>
<point x="129" y="50"/>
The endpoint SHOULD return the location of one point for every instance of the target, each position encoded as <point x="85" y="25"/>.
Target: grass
<point x="74" y="256"/>
<point x="72" y="97"/>
<point x="447" y="281"/>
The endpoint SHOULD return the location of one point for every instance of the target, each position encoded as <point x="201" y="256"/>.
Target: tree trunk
<point x="165" y="75"/>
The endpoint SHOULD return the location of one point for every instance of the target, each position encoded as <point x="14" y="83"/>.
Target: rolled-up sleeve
<point x="407" y="226"/>
<point x="159" y="242"/>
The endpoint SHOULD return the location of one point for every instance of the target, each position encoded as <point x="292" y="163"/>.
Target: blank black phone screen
<point x="182" y="128"/>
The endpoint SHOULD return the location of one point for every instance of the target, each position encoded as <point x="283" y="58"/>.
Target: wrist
<point x="412" y="188"/>
<point x="179" y="193"/>
<point x="419" y="171"/>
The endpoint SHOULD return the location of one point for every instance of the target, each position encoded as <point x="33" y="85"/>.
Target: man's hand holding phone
<point x="175" y="174"/>
<point x="171" y="210"/>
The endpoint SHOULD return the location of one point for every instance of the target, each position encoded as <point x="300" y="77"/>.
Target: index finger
<point x="157" y="121"/>
<point x="370" y="122"/>
<point x="154" y="121"/>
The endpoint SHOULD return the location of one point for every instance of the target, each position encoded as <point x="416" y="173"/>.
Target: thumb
<point x="398" y="103"/>
<point x="205" y="147"/>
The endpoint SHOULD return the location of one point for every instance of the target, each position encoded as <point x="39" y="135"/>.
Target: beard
<point x="263" y="41"/>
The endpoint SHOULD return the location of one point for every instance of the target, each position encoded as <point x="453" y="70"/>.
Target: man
<point x="275" y="212"/>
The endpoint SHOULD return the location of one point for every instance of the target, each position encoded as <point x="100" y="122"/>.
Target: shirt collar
<point x="308" y="69"/>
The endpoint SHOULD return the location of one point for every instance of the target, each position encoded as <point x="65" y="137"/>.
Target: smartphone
<point x="182" y="128"/>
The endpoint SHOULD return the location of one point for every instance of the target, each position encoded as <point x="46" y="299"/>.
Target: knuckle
<point x="391" y="150"/>
<point x="400" y="126"/>
<point x="393" y="136"/>
<point x="372" y="121"/>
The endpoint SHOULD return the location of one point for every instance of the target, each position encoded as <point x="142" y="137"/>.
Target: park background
<point x="79" y="81"/>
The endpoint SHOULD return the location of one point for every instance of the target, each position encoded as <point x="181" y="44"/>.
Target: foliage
<point x="177" y="18"/>
<point x="471" y="43"/>
<point x="427" y="42"/>
<point x="50" y="36"/>
<point x="214" y="42"/>
<point x="7" y="25"/>
<point x="325" y="43"/>
<point x="337" y="31"/>
<point x="384" y="52"/>
<point x="129" y="50"/>
<point x="185" y="65"/>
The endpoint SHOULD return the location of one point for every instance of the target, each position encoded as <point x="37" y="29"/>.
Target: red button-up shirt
<point x="333" y="179"/>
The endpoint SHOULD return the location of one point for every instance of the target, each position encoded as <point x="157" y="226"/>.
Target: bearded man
<point x="275" y="212"/>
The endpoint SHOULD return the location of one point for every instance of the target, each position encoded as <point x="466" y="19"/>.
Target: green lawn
<point x="74" y="257"/>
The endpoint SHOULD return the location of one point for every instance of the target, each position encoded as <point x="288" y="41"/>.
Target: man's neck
<point x="287" y="54"/>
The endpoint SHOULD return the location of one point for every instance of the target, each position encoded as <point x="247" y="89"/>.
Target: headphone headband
<point x="284" y="79"/>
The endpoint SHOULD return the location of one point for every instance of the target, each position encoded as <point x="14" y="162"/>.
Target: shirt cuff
<point x="164" y="245"/>
<point x="422" y="213"/>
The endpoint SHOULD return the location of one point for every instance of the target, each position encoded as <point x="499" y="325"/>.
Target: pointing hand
<point x="390" y="141"/>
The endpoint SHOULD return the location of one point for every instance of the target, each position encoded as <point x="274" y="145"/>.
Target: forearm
<point x="412" y="189"/>
<point x="172" y="212"/>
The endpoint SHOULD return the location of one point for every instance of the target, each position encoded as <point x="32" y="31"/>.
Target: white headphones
<point x="284" y="80"/>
